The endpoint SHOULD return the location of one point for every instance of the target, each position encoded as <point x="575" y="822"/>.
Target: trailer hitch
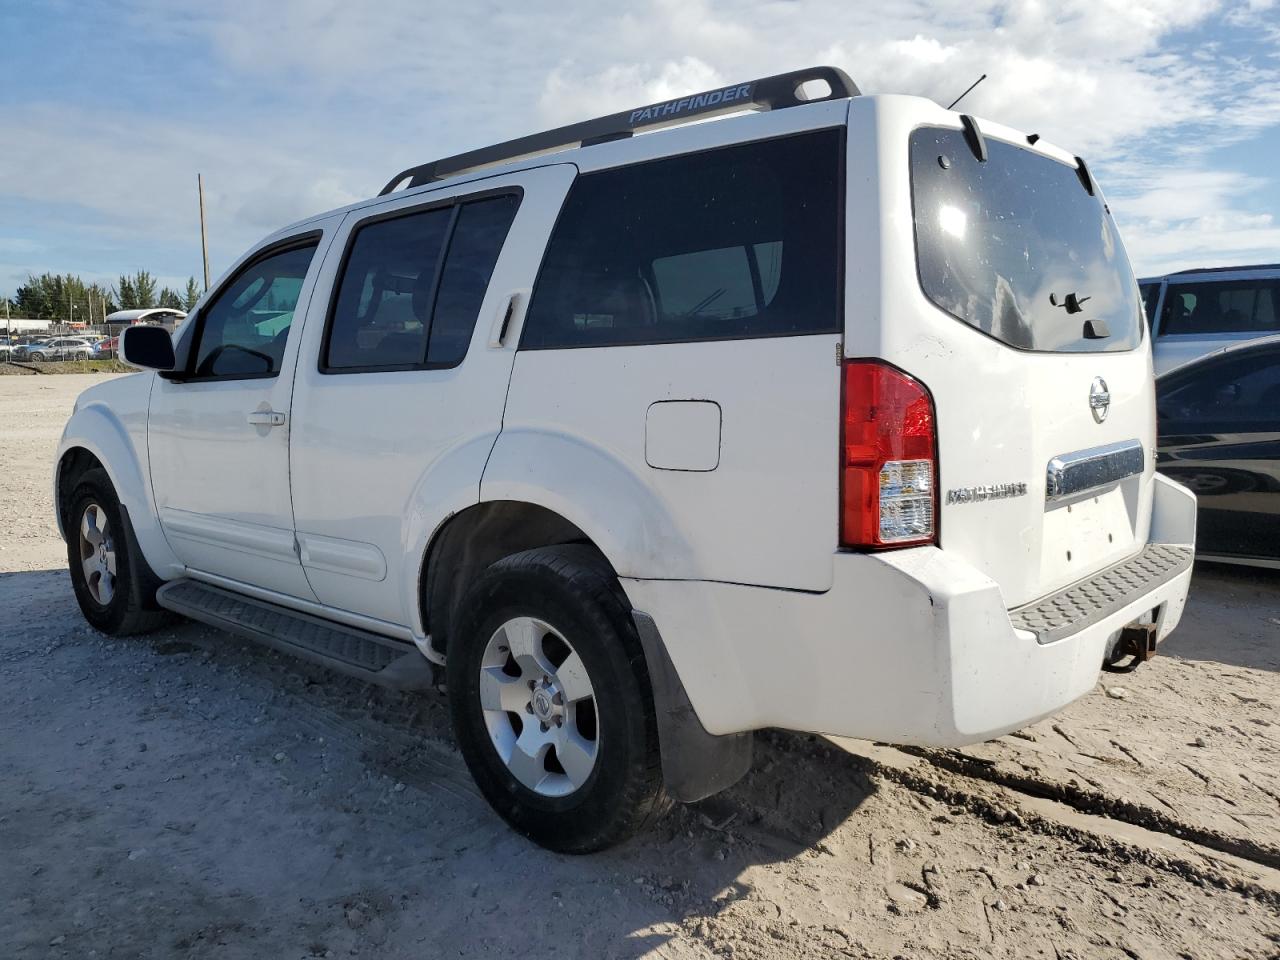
<point x="1138" y="642"/>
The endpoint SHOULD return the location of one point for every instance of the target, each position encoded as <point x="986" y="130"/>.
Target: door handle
<point x="502" y="322"/>
<point x="266" y="418"/>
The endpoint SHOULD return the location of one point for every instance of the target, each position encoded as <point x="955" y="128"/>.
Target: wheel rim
<point x="98" y="554"/>
<point x="539" y="707"/>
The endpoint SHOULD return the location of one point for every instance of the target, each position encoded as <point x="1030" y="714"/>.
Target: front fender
<point x="598" y="493"/>
<point x="119" y="442"/>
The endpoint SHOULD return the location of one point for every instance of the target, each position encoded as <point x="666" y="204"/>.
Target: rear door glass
<point x="412" y="285"/>
<point x="1221" y="306"/>
<point x="996" y="240"/>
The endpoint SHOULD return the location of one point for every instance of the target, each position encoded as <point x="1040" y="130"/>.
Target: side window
<point x="411" y="287"/>
<point x="1223" y="306"/>
<point x="243" y="332"/>
<point x="738" y="242"/>
<point x="383" y="305"/>
<point x="477" y="240"/>
<point x="1237" y="390"/>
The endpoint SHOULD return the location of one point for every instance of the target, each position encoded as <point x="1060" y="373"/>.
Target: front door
<point x="219" y="429"/>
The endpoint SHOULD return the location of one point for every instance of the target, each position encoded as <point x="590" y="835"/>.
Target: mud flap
<point x="695" y="764"/>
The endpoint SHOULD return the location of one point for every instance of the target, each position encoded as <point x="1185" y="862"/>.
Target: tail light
<point x="888" y="458"/>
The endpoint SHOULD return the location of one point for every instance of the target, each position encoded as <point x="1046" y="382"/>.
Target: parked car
<point x="1195" y="312"/>
<point x="658" y="441"/>
<point x="107" y="347"/>
<point x="61" y="348"/>
<point x="1219" y="435"/>
<point x="5" y="348"/>
<point x="22" y="346"/>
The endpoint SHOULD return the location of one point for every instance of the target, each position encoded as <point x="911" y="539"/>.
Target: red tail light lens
<point x="888" y="458"/>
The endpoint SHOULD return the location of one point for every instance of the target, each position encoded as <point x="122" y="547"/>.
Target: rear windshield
<point x="1016" y="247"/>
<point x="1222" y="306"/>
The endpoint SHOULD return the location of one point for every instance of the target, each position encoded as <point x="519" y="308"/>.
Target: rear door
<point x="402" y="378"/>
<point x="1009" y="295"/>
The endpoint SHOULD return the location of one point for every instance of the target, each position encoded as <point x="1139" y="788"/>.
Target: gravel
<point x="148" y="809"/>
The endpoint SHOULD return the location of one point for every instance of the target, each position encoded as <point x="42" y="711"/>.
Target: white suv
<point x="836" y="415"/>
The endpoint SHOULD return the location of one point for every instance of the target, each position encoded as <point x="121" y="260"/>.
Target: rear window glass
<point x="1222" y="306"/>
<point x="738" y="242"/>
<point x="996" y="240"/>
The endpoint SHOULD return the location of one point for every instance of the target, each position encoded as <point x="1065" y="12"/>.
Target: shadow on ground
<point x="1232" y="617"/>
<point x="189" y="792"/>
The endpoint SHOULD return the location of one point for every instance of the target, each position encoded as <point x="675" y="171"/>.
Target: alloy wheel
<point x="539" y="707"/>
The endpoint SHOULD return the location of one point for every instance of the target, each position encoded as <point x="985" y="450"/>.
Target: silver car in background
<point x="1195" y="312"/>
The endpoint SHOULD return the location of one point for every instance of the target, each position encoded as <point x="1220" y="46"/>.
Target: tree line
<point x="52" y="296"/>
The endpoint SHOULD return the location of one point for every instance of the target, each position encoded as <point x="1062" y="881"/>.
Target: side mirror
<point x="149" y="348"/>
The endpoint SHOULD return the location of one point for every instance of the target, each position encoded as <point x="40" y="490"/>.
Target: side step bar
<point x="358" y="653"/>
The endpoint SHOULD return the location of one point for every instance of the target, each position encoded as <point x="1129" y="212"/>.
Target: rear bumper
<point x="913" y="646"/>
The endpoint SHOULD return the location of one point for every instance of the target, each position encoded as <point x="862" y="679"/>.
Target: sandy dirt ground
<point x="189" y="794"/>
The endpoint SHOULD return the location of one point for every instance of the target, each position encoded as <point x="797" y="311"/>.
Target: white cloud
<point x="313" y="103"/>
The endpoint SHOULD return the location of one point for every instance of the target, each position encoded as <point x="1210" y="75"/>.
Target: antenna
<point x="966" y="93"/>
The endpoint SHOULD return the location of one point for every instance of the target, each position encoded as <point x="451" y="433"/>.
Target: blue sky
<point x="109" y="109"/>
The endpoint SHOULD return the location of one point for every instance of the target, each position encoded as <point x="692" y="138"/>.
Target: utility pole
<point x="204" y="239"/>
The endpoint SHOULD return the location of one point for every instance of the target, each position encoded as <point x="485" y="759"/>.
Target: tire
<point x="124" y="603"/>
<point x="568" y="591"/>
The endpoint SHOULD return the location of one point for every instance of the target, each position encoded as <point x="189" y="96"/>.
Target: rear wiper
<point x="1071" y="303"/>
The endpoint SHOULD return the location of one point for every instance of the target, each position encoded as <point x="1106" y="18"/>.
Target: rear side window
<point x="1002" y="245"/>
<point x="1222" y="306"/>
<point x="738" y="242"/>
<point x="411" y="288"/>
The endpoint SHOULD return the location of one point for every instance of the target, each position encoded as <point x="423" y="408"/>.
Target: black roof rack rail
<point x="769" y="93"/>
<point x="1241" y="268"/>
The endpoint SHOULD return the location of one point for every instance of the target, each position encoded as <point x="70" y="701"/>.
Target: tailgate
<point x="1007" y="292"/>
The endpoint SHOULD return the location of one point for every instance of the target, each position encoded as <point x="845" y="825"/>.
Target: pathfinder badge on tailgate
<point x="991" y="491"/>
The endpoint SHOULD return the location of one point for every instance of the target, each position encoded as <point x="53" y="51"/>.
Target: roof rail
<point x="1247" y="266"/>
<point x="769" y="93"/>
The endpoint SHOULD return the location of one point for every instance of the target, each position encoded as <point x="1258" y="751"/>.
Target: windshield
<point x="1016" y="247"/>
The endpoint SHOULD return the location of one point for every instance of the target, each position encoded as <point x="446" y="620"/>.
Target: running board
<point x="352" y="651"/>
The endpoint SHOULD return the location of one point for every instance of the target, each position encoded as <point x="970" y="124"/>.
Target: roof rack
<point x="1247" y="266"/>
<point x="769" y="93"/>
